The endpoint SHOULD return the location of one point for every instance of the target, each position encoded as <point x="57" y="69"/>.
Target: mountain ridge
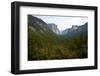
<point x="76" y="29"/>
<point x="37" y="24"/>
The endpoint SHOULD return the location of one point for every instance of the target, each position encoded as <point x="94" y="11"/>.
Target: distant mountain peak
<point x="75" y="29"/>
<point x="54" y="28"/>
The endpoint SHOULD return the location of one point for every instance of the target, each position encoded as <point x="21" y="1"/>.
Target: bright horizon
<point x="63" y="22"/>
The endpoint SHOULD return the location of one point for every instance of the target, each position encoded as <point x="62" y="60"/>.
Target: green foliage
<point x="47" y="46"/>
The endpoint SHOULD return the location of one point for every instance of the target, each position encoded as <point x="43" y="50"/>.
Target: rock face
<point x="54" y="28"/>
<point x="74" y="30"/>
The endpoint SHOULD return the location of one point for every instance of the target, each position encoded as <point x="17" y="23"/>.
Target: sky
<point x="63" y="22"/>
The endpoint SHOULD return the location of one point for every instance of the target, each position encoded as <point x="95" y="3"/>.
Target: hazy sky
<point x="63" y="22"/>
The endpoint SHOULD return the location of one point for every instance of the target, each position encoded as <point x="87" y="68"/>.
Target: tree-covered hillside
<point x="44" y="44"/>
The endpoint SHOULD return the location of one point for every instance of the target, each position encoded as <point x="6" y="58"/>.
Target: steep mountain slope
<point x="37" y="24"/>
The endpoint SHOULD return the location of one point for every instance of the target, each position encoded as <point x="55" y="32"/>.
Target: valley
<point x="47" y="42"/>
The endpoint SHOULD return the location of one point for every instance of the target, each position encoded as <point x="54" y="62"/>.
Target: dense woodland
<point x="46" y="45"/>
